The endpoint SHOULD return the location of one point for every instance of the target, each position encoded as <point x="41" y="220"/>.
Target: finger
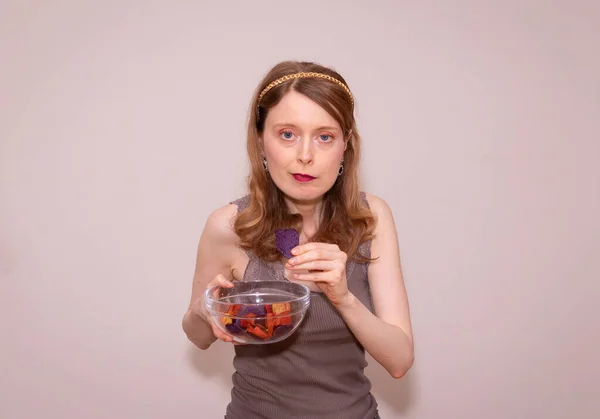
<point x="323" y="276"/>
<point x="221" y="281"/>
<point x="219" y="333"/>
<point x="217" y="283"/>
<point x="316" y="254"/>
<point x="303" y="248"/>
<point x="318" y="265"/>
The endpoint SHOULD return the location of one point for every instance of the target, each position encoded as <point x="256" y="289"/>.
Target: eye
<point x="325" y="138"/>
<point x="287" y="135"/>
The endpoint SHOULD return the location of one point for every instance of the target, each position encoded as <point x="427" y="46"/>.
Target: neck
<point x="310" y="212"/>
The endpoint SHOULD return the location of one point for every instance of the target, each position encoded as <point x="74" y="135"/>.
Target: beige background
<point x="121" y="128"/>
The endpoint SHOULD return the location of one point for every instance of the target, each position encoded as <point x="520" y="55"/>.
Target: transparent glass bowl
<point x="258" y="312"/>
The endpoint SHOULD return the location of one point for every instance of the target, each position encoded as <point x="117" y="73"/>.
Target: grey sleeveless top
<point x="318" y="372"/>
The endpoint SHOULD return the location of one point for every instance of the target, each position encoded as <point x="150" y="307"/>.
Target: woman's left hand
<point x="326" y="264"/>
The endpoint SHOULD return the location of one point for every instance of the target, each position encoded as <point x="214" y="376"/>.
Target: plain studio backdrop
<point x="122" y="127"/>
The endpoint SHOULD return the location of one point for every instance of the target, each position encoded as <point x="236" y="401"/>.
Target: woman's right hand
<point x="200" y="309"/>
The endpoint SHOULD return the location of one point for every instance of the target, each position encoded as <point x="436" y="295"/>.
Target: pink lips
<point x="301" y="177"/>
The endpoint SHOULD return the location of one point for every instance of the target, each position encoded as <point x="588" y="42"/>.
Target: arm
<point x="387" y="334"/>
<point x="216" y="252"/>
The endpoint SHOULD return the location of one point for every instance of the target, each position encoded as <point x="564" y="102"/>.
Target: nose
<point x="305" y="151"/>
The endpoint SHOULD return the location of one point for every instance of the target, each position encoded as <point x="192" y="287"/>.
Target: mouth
<point x="301" y="177"/>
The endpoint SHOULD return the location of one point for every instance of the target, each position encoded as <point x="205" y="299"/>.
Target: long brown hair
<point x="349" y="222"/>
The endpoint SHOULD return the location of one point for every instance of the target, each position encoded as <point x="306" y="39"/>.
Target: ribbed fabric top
<point x="318" y="372"/>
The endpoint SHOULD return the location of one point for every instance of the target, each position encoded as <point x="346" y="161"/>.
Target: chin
<point x="309" y="192"/>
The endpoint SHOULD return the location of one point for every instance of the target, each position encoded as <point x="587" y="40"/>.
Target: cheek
<point x="270" y="151"/>
<point x="278" y="158"/>
<point x="337" y="155"/>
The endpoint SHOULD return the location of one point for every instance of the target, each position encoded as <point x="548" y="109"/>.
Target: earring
<point x="265" y="164"/>
<point x="341" y="169"/>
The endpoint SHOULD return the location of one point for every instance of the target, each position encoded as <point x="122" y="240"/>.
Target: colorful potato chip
<point x="281" y="308"/>
<point x="233" y="310"/>
<point x="259" y="311"/>
<point x="234" y="328"/>
<point x="262" y="322"/>
<point x="270" y="323"/>
<point x="285" y="240"/>
<point x="259" y="332"/>
<point x="284" y="321"/>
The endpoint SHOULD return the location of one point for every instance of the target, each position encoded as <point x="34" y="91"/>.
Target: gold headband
<point x="304" y="75"/>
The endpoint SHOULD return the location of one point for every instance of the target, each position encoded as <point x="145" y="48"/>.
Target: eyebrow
<point x="329" y="128"/>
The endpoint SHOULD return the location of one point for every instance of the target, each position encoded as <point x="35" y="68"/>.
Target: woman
<point x="304" y="151"/>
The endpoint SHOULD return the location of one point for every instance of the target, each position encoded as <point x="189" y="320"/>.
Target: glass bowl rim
<point x="209" y="301"/>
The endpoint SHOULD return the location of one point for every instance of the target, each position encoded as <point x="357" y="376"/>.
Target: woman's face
<point x="304" y="146"/>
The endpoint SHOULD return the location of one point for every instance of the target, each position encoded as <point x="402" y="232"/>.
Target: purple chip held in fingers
<point x="285" y="240"/>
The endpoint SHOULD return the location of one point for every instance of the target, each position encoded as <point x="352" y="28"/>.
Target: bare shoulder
<point x="219" y="225"/>
<point x="379" y="207"/>
<point x="385" y="240"/>
<point x="218" y="249"/>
